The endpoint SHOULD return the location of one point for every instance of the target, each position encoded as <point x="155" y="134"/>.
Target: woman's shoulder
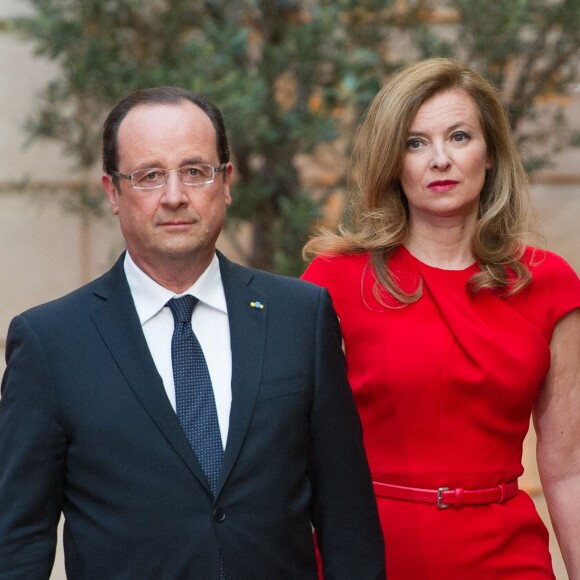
<point x="548" y="267"/>
<point x="553" y="292"/>
<point x="342" y="259"/>
<point x="326" y="268"/>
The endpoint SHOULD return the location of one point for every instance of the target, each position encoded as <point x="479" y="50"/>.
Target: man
<point x="100" y="416"/>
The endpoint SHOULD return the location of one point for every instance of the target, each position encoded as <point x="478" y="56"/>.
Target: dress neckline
<point x="472" y="267"/>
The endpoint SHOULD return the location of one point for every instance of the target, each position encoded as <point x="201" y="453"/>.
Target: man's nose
<point x="174" y="191"/>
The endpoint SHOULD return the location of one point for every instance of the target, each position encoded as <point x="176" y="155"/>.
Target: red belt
<point x="445" y="497"/>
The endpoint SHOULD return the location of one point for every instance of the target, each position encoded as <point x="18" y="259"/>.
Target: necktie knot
<point x="182" y="308"/>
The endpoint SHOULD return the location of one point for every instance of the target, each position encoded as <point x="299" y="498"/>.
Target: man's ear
<point x="228" y="180"/>
<point x="112" y="193"/>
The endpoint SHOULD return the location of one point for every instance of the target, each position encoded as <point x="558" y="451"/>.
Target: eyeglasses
<point x="155" y="177"/>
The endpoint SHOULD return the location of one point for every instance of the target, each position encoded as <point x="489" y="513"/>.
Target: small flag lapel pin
<point x="258" y="305"/>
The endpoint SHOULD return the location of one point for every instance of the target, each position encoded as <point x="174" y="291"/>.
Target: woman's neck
<point x="446" y="246"/>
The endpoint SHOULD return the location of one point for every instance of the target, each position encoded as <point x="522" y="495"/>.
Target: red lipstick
<point x="442" y="185"/>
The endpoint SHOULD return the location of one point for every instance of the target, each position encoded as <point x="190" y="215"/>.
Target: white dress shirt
<point x="210" y="324"/>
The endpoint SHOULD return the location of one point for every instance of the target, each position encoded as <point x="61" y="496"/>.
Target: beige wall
<point x="47" y="252"/>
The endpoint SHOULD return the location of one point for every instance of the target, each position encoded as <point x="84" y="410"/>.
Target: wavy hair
<point x="376" y="218"/>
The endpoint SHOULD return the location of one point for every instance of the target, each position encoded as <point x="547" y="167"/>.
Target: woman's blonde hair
<point x="377" y="218"/>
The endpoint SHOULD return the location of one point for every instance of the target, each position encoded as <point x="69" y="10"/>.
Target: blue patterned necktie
<point x="195" y="403"/>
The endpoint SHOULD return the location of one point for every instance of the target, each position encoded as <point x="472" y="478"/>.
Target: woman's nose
<point x="440" y="159"/>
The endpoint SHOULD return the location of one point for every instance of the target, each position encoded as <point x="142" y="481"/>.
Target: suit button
<point x="219" y="514"/>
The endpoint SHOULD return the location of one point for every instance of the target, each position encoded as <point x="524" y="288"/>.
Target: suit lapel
<point x="247" y="337"/>
<point x="118" y="324"/>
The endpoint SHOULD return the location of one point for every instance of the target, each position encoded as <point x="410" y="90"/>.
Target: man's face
<point x="176" y="223"/>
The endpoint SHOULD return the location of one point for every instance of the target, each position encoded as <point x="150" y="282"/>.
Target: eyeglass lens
<point x="152" y="177"/>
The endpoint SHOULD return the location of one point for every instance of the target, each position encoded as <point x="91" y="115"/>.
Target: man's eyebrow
<point x="156" y="163"/>
<point x="148" y="165"/>
<point x="192" y="160"/>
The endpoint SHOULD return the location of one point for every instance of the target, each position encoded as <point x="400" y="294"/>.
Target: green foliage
<point x="288" y="75"/>
<point x="275" y="68"/>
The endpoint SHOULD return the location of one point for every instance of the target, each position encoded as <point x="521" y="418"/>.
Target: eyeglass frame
<point x="129" y="176"/>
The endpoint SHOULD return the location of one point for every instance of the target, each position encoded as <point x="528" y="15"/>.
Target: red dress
<point x="445" y="389"/>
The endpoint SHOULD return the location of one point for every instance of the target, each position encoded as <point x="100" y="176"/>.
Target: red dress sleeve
<point x="553" y="292"/>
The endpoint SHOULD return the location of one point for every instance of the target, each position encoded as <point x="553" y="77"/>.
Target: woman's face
<point x="445" y="159"/>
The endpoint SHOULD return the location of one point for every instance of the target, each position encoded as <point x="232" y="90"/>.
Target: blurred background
<point x="293" y="79"/>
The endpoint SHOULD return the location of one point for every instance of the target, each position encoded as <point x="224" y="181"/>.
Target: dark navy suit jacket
<point x="86" y="429"/>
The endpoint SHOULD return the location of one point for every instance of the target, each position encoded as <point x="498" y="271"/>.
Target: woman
<point x="454" y="332"/>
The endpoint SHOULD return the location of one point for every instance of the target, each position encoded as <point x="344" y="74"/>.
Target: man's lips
<point x="442" y="185"/>
<point x="176" y="223"/>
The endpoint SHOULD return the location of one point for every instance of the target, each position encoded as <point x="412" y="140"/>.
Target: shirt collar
<point x="150" y="297"/>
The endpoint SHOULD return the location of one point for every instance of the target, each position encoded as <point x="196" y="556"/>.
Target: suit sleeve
<point x="32" y="451"/>
<point x="345" y="515"/>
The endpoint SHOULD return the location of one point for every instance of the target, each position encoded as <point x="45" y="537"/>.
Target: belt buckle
<point x="440" y="504"/>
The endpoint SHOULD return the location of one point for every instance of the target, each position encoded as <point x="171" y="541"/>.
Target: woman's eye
<point x="460" y="136"/>
<point x="413" y="144"/>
